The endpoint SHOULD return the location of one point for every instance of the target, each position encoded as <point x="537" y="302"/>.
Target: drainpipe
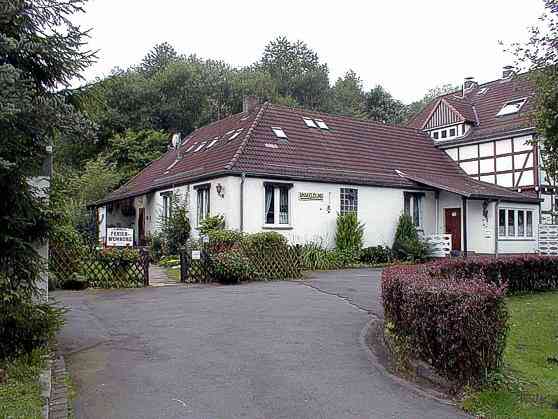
<point x="496" y="215"/>
<point x="464" y="226"/>
<point x="437" y="197"/>
<point x="242" y="179"/>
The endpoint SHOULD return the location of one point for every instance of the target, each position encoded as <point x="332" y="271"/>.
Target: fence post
<point x="184" y="264"/>
<point x="145" y="262"/>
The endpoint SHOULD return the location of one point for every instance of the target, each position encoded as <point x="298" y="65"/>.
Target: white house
<point x="274" y="168"/>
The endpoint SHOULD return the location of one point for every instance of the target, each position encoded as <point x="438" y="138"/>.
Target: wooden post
<point x="464" y="227"/>
<point x="184" y="264"/>
<point x="145" y="261"/>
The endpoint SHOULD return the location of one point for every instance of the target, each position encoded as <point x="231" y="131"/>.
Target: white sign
<point x="120" y="237"/>
<point x="311" y="196"/>
<point x="196" y="255"/>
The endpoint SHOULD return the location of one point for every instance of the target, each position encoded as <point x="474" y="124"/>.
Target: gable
<point x="443" y="115"/>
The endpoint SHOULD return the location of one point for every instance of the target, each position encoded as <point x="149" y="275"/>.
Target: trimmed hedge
<point x="458" y="326"/>
<point x="521" y="273"/>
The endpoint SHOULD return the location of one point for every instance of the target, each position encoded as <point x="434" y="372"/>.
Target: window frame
<point x="203" y="211"/>
<point x="345" y="208"/>
<point x="521" y="101"/>
<point x="166" y="212"/>
<point x="414" y="201"/>
<point x="528" y="230"/>
<point x="279" y="190"/>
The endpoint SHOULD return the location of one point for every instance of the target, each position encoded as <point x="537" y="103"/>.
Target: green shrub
<point x="76" y="283"/>
<point x="232" y="267"/>
<point x="168" y="261"/>
<point x="349" y="234"/>
<point x="264" y="241"/>
<point x="24" y="325"/>
<point x="376" y="255"/>
<point x="156" y="247"/>
<point x="222" y="240"/>
<point x="407" y="244"/>
<point x="215" y="222"/>
<point x="316" y="257"/>
<point x="176" y="227"/>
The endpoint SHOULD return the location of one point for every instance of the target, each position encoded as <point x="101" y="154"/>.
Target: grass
<point x="20" y="395"/>
<point x="528" y="385"/>
<point x="173" y="273"/>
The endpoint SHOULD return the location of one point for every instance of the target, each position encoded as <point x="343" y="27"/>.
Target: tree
<point x="158" y="58"/>
<point x="381" y="106"/>
<point x="348" y="97"/>
<point x="297" y="71"/>
<point x="540" y="57"/>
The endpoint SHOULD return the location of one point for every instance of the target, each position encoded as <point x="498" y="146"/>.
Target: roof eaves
<point x="246" y="138"/>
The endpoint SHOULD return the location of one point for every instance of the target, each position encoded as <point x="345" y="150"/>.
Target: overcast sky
<point x="406" y="46"/>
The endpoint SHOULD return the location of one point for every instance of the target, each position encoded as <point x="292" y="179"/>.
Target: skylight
<point x="512" y="107"/>
<point x="200" y="147"/>
<point x="172" y="165"/>
<point x="211" y="144"/>
<point x="190" y="148"/>
<point x="310" y="123"/>
<point x="279" y="133"/>
<point x="321" y="124"/>
<point x="482" y="91"/>
<point x="236" y="134"/>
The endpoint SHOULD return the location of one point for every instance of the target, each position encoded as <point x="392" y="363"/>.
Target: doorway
<point x="141" y="227"/>
<point x="453" y="226"/>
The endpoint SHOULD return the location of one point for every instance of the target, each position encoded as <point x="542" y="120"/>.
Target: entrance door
<point x="453" y="226"/>
<point x="141" y="227"/>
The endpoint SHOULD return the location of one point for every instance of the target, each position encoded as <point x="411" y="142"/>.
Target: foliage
<point x="214" y="222"/>
<point x="376" y="255"/>
<point x="20" y="395"/>
<point x="232" y="267"/>
<point x="527" y="386"/>
<point x="459" y="326"/>
<point x="432" y="93"/>
<point x="348" y="97"/>
<point x="349" y="234"/>
<point x="381" y="106"/>
<point x="169" y="261"/>
<point x="176" y="227"/>
<point x="317" y="257"/>
<point x="113" y="267"/>
<point x="520" y="273"/>
<point x="222" y="240"/>
<point x="265" y="240"/>
<point x="407" y="245"/>
<point x="156" y="246"/>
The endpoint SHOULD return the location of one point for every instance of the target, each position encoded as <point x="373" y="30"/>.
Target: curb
<point x="58" y="401"/>
<point x="45" y="381"/>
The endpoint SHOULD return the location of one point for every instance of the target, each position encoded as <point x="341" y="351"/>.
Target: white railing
<point x="548" y="239"/>
<point x="439" y="245"/>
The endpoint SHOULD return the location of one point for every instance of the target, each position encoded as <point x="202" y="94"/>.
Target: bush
<point x="458" y="326"/>
<point x="223" y="240"/>
<point x="168" y="261"/>
<point x="25" y="325"/>
<point x="232" y="267"/>
<point x="316" y="257"/>
<point x="216" y="222"/>
<point x="176" y="228"/>
<point x="407" y="244"/>
<point x="264" y="241"/>
<point x="376" y="255"/>
<point x="521" y="273"/>
<point x="156" y="247"/>
<point x="349" y="234"/>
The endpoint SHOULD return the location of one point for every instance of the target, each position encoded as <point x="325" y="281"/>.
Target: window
<point x="452" y="132"/>
<point x="190" y="148"/>
<point x="167" y="204"/>
<point x="349" y="200"/>
<point x="279" y="133"/>
<point x="276" y="203"/>
<point x="436" y="135"/>
<point x="514" y="223"/>
<point x="413" y="207"/>
<point x="444" y="133"/>
<point x="310" y="123"/>
<point x="236" y="134"/>
<point x="321" y="124"/>
<point x="211" y="144"/>
<point x="200" y="146"/>
<point x="511" y="107"/>
<point x="202" y="201"/>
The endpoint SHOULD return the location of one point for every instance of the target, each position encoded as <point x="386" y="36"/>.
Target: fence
<point x="127" y="268"/>
<point x="548" y="239"/>
<point x="439" y="245"/>
<point x="274" y="263"/>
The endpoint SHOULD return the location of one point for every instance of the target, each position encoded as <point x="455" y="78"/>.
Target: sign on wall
<point x="311" y="196"/>
<point x="120" y="236"/>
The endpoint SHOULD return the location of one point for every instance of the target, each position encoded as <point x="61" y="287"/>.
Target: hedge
<point x="521" y="273"/>
<point x="458" y="326"/>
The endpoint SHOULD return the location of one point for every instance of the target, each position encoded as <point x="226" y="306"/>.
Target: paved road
<point x="260" y="350"/>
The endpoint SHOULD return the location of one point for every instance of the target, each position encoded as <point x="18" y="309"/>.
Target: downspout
<point x="464" y="226"/>
<point x="242" y="179"/>
<point x="496" y="214"/>
<point x="437" y="198"/>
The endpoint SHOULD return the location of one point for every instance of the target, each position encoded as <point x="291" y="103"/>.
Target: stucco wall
<point x="523" y="245"/>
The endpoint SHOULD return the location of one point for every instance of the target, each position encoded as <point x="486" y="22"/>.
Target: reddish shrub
<point x="457" y="325"/>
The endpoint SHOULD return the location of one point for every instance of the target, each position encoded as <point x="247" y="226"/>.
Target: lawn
<point x="528" y="387"/>
<point x="20" y="395"/>
<point x="173" y="273"/>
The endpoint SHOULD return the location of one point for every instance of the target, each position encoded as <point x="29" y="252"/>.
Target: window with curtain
<point x="412" y="207"/>
<point x="203" y="202"/>
<point x="167" y="205"/>
<point x="276" y="203"/>
<point x="349" y="200"/>
<point x="515" y="223"/>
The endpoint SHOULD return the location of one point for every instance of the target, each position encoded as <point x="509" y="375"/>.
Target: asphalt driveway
<point x="258" y="350"/>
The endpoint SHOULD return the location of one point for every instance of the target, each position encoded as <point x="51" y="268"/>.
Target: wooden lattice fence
<point x="96" y="269"/>
<point x="274" y="263"/>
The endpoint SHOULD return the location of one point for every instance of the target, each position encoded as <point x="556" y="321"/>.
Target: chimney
<point x="469" y="83"/>
<point x="249" y="103"/>
<point x="507" y="71"/>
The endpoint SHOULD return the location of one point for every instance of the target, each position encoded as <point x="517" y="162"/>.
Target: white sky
<point x="406" y="46"/>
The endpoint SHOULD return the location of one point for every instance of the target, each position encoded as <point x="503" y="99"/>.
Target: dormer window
<point x="512" y="107"/>
<point x="279" y="133"/>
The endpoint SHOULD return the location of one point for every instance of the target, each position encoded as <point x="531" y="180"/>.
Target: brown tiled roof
<point x="352" y="151"/>
<point x="481" y="106"/>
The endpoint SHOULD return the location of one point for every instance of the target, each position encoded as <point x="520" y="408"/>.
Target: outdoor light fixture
<point x="220" y="190"/>
<point x="485" y="209"/>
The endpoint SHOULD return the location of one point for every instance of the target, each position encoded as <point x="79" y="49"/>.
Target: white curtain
<point x="268" y="198"/>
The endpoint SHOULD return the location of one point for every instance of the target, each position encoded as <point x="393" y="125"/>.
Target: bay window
<point x="515" y="223"/>
<point x="276" y="203"/>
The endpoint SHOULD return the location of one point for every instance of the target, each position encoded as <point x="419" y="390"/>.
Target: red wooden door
<point x="141" y="227"/>
<point x="453" y="226"/>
